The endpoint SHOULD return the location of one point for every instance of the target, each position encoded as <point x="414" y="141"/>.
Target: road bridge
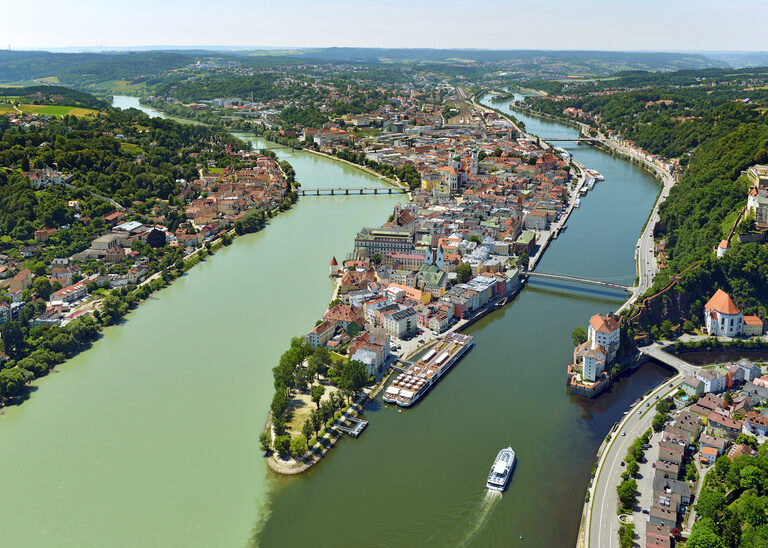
<point x="351" y="191"/>
<point x="576" y="279"/>
<point x="575" y="139"/>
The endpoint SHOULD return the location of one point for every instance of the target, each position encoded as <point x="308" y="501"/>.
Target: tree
<point x="627" y="491"/>
<point x="13" y="339"/>
<point x="353" y="378"/>
<point x="265" y="439"/>
<point x="703" y="537"/>
<point x="710" y="504"/>
<point x="722" y="465"/>
<point x="307" y="430"/>
<point x="633" y="468"/>
<point x="316" y="393"/>
<point x="12" y="382"/>
<point x="658" y="422"/>
<point x="317" y="420"/>
<point x="463" y="273"/>
<point x="746" y="439"/>
<point x="112" y="308"/>
<point x="752" y="477"/>
<point x="524" y="259"/>
<point x="579" y="335"/>
<point x="42" y="287"/>
<point x="663" y="406"/>
<point x="282" y="445"/>
<point x="626" y="535"/>
<point x="298" y="446"/>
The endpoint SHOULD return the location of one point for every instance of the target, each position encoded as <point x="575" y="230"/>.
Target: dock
<point x="358" y="425"/>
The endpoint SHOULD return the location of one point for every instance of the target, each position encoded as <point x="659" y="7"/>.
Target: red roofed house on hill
<point x="723" y="318"/>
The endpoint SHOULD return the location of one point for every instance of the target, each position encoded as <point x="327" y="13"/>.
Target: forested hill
<point x="60" y="95"/>
<point x="715" y="123"/>
<point x="124" y="155"/>
<point x="87" y="68"/>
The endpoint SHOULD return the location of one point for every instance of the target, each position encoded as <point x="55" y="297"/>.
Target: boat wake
<point x="480" y="516"/>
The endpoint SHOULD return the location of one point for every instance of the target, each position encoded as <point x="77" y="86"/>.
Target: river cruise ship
<point x="410" y="385"/>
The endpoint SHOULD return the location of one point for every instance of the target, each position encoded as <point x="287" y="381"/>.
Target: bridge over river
<point x="351" y="191"/>
<point x="611" y="285"/>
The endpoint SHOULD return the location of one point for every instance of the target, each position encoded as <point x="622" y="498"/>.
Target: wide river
<point x="150" y="437"/>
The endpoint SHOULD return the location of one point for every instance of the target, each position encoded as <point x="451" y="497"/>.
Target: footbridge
<point x="359" y="191"/>
<point x="563" y="277"/>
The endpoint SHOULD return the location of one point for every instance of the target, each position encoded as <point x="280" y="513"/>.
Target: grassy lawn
<point x="214" y="170"/>
<point x="302" y="407"/>
<point x="130" y="148"/>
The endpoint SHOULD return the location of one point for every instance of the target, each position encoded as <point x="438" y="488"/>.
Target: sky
<point x="649" y="25"/>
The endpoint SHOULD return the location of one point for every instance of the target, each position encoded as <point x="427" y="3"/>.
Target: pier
<point x="358" y="425"/>
<point x="351" y="191"/>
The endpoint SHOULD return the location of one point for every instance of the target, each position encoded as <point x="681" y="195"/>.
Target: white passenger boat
<point x="501" y="470"/>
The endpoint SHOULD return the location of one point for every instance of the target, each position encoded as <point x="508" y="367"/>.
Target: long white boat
<point x="409" y="386"/>
<point x="577" y="203"/>
<point x="501" y="470"/>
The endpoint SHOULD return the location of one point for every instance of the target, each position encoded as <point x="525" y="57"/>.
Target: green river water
<point x="150" y="437"/>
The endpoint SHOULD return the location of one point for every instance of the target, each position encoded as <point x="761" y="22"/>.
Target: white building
<point x="401" y="323"/>
<point x="593" y="363"/>
<point x="605" y="331"/>
<point x="721" y="316"/>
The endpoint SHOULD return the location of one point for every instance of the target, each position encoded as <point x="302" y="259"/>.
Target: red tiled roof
<point x="721" y="302"/>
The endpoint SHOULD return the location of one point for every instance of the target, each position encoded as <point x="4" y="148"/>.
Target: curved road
<point x="601" y="521"/>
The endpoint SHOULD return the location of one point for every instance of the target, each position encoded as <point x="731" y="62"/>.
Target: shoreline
<point x="190" y="260"/>
<point x="368" y="170"/>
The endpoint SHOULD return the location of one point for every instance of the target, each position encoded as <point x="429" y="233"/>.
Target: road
<point x="602" y="523"/>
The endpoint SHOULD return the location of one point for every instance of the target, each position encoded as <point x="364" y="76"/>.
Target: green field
<point x="57" y="110"/>
<point x="130" y="148"/>
<point x="119" y="85"/>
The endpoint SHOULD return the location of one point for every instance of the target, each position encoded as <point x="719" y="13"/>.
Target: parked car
<point x="624" y="433"/>
<point x="656" y="396"/>
<point x="653" y="465"/>
<point x="648" y="404"/>
<point x="645" y="511"/>
<point x="622" y="463"/>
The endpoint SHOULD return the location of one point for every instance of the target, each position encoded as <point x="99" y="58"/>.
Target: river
<point x="150" y="437"/>
<point x="417" y="477"/>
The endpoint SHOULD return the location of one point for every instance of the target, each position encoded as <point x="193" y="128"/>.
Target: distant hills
<point x="83" y="68"/>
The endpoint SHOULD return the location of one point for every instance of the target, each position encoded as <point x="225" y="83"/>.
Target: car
<point x="622" y="463"/>
<point x="670" y="385"/>
<point x="645" y="511"/>
<point x="648" y="404"/>
<point x="624" y="433"/>
<point x="653" y="465"/>
<point x="639" y="411"/>
<point x="656" y="397"/>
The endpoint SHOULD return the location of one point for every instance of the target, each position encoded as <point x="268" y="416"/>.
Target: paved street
<point x="602" y="521"/>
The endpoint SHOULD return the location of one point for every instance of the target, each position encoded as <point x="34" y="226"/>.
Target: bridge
<point x="351" y="191"/>
<point x="576" y="139"/>
<point x="563" y="277"/>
